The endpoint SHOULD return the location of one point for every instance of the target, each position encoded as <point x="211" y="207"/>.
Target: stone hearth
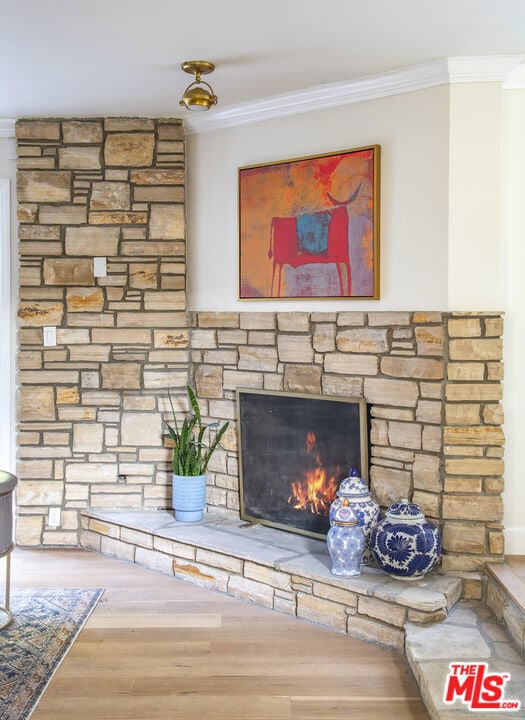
<point x="280" y="570"/>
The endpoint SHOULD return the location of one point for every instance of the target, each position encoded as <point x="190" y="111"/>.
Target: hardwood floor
<point x="156" y="648"/>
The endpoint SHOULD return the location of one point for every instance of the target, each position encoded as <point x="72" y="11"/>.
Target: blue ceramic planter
<point x="188" y="497"/>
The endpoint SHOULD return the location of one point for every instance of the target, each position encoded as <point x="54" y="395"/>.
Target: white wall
<point x="8" y="280"/>
<point x="487" y="251"/>
<point x="475" y="190"/>
<point x="513" y="217"/>
<point x="412" y="130"/>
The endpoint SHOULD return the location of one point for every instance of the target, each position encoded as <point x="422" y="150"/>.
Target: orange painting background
<point x="295" y="188"/>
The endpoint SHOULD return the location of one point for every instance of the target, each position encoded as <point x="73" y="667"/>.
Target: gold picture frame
<point x="309" y="227"/>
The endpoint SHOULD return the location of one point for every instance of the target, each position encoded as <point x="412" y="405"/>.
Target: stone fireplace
<point x="432" y="382"/>
<point x="91" y="407"/>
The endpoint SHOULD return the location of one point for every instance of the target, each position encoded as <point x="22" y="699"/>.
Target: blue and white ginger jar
<point x="346" y="542"/>
<point x="359" y="497"/>
<point x="405" y="544"/>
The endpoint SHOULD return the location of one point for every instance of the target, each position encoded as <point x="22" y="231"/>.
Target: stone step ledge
<point x="469" y="634"/>
<point x="505" y="596"/>
<point x="282" y="571"/>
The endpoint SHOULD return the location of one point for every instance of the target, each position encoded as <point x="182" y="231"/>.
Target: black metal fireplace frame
<point x="347" y="414"/>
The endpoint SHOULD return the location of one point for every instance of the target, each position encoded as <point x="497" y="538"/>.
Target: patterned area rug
<point x="45" y="625"/>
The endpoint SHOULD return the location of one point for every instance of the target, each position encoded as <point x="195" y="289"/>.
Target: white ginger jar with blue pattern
<point x="405" y="544"/>
<point x="346" y="541"/>
<point x="368" y="512"/>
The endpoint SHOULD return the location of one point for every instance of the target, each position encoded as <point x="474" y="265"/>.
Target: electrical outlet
<point x="53" y="519"/>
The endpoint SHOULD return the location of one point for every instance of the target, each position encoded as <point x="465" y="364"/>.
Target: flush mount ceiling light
<point x="199" y="95"/>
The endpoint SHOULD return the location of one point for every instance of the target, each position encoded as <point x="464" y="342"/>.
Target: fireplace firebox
<point x="294" y="451"/>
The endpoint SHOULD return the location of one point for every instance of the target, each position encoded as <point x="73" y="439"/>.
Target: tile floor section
<point x="291" y="573"/>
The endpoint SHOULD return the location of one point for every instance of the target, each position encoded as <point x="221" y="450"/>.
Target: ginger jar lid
<point x="405" y="511"/>
<point x="344" y="515"/>
<point x="353" y="486"/>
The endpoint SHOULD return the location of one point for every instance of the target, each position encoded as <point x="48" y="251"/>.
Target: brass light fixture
<point x="199" y="94"/>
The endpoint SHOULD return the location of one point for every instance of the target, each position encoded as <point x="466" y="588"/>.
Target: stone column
<point x="90" y="407"/>
<point x="473" y="442"/>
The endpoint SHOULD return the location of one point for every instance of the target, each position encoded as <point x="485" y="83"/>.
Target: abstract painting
<point x="309" y="227"/>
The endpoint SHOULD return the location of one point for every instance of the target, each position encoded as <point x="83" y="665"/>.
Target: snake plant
<point x="191" y="454"/>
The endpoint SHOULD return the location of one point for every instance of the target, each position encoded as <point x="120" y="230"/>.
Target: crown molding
<point x="7" y="127"/>
<point x="481" y="68"/>
<point x="507" y="69"/>
<point x="516" y="78"/>
<point x="443" y="71"/>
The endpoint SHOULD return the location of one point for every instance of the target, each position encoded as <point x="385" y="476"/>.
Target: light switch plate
<point x="99" y="267"/>
<point x="50" y="336"/>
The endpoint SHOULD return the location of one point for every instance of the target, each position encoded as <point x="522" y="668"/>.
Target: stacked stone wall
<point x="433" y="384"/>
<point x="473" y="442"/>
<point x="90" y="408"/>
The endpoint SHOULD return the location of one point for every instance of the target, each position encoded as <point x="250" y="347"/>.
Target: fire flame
<point x="311" y="441"/>
<point x="315" y="492"/>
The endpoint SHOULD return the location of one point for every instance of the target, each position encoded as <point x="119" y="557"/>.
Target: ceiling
<point x="122" y="57"/>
